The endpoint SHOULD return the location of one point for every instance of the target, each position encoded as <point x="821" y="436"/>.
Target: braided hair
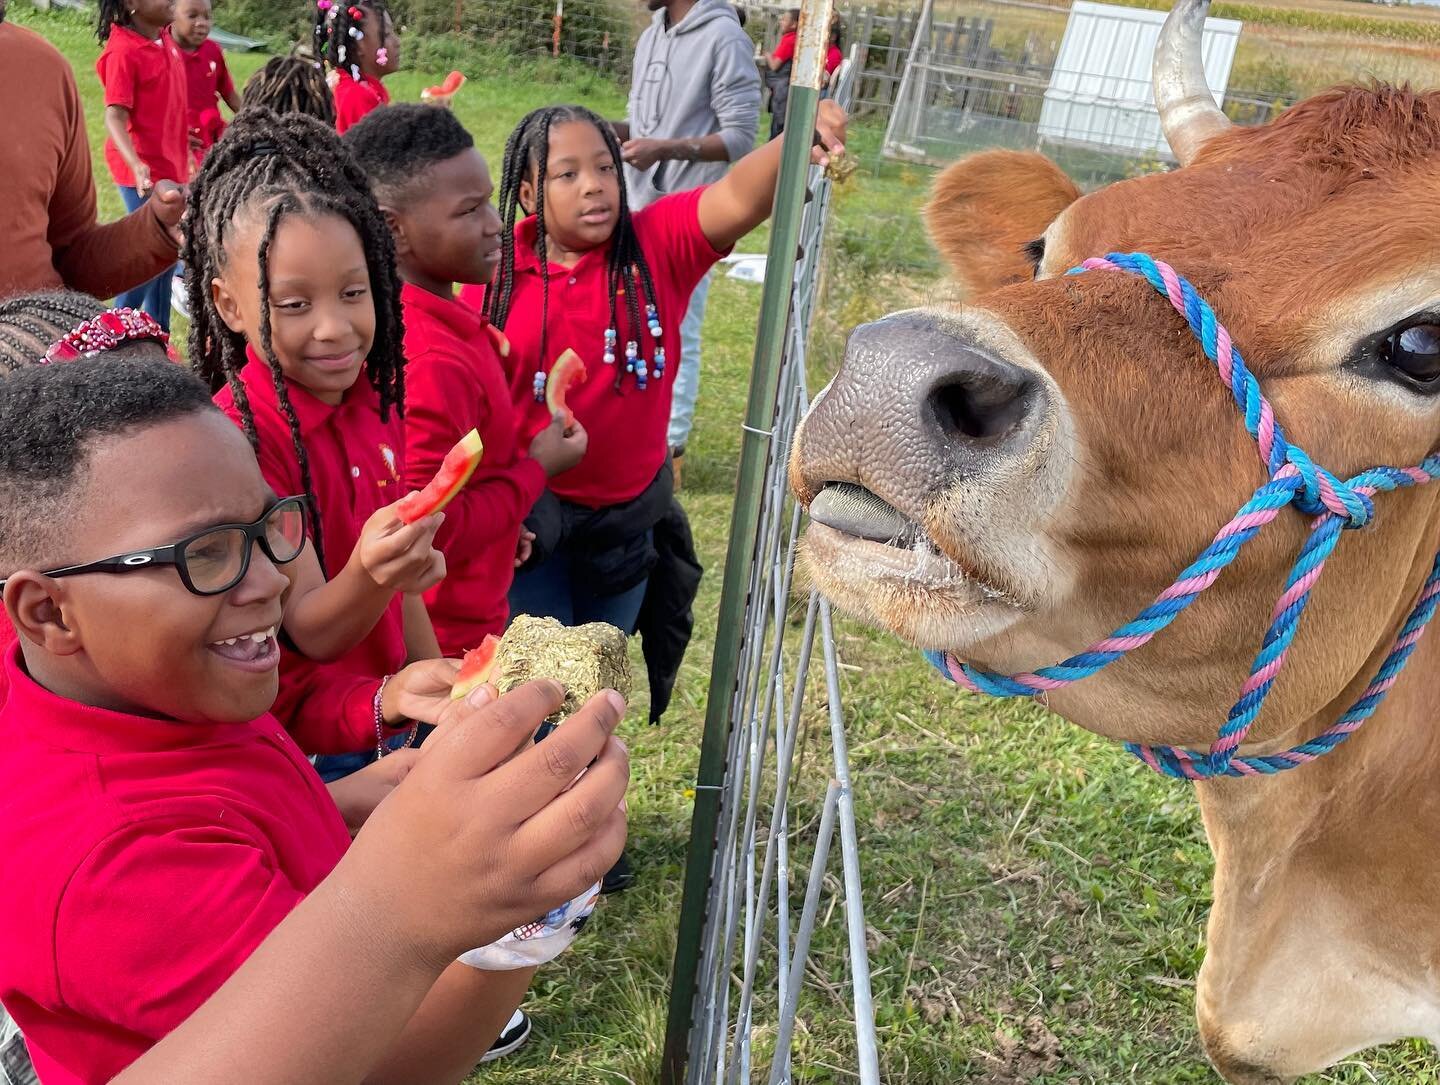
<point x="292" y="85"/>
<point x="31" y="323"/>
<point x="526" y="153"/>
<point x="277" y="166"/>
<point x="340" y="27"/>
<point x="113" y="13"/>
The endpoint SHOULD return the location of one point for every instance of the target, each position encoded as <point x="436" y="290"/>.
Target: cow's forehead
<point x="1305" y="233"/>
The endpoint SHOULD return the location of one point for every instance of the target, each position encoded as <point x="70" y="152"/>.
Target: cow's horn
<point x="1188" y="112"/>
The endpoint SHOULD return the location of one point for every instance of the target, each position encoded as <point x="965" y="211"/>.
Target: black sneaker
<point x="511" y="1039"/>
<point x="619" y="877"/>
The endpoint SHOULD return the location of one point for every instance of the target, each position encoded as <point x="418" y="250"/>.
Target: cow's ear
<point x="985" y="209"/>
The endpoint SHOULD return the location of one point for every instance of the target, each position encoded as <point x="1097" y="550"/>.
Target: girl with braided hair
<point x="357" y="39"/>
<point x="292" y="84"/>
<point x="579" y="271"/>
<point x="297" y="324"/>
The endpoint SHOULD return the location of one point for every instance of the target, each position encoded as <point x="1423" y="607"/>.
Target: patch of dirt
<point x="1022" y="1057"/>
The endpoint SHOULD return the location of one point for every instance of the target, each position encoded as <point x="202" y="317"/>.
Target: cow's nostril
<point x="982" y="404"/>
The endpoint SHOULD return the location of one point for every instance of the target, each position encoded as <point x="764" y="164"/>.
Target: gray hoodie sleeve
<point x="735" y="94"/>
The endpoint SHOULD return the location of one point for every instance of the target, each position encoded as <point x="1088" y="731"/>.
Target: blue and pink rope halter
<point x="1295" y="480"/>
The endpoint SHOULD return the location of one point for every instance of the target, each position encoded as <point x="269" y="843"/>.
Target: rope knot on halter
<point x="1321" y="492"/>
<point x="1293" y="479"/>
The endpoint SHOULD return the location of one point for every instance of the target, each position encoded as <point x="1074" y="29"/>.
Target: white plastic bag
<point x="537" y="942"/>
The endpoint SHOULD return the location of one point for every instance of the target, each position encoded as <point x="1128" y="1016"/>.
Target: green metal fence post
<point x="807" y="71"/>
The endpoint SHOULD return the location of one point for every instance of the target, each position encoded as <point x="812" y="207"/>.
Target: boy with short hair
<point x="434" y="189"/>
<point x="163" y="822"/>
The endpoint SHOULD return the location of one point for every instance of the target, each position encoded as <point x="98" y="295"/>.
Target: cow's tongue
<point x="243" y="651"/>
<point x="859" y="512"/>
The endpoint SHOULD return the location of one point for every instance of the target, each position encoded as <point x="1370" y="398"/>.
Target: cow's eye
<point x="1035" y="253"/>
<point x="1414" y="352"/>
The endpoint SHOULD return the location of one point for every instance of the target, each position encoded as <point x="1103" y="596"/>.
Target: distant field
<point x="1287" y="49"/>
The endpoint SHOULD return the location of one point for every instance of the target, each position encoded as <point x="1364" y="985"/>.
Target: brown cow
<point x="1043" y="459"/>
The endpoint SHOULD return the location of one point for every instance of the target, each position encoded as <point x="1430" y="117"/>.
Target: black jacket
<point x="616" y="547"/>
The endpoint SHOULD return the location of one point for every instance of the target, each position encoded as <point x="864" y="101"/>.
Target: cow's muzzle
<point x="917" y="406"/>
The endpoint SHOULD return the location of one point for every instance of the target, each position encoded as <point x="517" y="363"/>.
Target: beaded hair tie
<point x="106" y="331"/>
<point x="635" y="364"/>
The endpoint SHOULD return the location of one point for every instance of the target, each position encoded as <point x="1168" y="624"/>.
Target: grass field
<point x="1036" y="900"/>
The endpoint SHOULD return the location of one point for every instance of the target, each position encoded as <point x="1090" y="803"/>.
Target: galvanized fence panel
<point x="737" y="1020"/>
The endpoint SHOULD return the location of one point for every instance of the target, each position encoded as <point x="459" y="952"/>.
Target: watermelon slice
<point x="445" y="91"/>
<point x="502" y="345"/>
<point x="567" y="372"/>
<point x="475" y="668"/>
<point x="460" y="463"/>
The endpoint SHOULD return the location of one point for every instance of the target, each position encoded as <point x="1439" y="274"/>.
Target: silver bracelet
<point x="380" y="721"/>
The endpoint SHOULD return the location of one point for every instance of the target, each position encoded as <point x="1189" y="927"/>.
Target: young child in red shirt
<point x="434" y="189"/>
<point x="145" y="109"/>
<point x="207" y="79"/>
<point x="166" y="822"/>
<point x="297" y="315"/>
<point x="833" y="45"/>
<point x="359" y="42"/>
<point x="778" y="65"/>
<point x="576" y="274"/>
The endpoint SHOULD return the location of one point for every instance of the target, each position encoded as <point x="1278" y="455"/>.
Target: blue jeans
<point x="551" y="590"/>
<point x="154" y="296"/>
<point x="687" y="378"/>
<point x="335" y="766"/>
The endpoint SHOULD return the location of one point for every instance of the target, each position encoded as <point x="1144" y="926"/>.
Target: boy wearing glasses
<point x="160" y="823"/>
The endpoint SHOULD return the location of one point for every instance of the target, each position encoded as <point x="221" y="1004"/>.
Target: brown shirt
<point x="48" y="233"/>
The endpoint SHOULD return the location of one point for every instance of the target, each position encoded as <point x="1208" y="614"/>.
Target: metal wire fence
<point x="737" y="1019"/>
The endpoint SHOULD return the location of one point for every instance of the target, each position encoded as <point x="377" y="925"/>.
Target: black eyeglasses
<point x="213" y="561"/>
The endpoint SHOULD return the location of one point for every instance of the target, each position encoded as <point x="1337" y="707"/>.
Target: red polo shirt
<point x="627" y="427"/>
<point x="207" y="80"/>
<point x="785" y="47"/>
<point x="144" y="861"/>
<point x="356" y="466"/>
<point x="454" y="381"/>
<point x="356" y="97"/>
<point x="147" y="78"/>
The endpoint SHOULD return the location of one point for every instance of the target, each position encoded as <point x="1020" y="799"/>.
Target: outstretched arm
<point x="742" y="199"/>
<point x="108" y="259"/>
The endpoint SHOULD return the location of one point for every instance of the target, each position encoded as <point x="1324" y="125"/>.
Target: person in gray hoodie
<point x="694" y="108"/>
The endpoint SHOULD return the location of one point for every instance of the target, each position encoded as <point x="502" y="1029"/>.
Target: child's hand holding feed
<point x="426" y="878"/>
<point x="830" y="121"/>
<point x="485" y="798"/>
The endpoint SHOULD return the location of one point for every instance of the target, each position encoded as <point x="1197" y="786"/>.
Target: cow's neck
<point x="1389" y="768"/>
<point x="1326" y="889"/>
